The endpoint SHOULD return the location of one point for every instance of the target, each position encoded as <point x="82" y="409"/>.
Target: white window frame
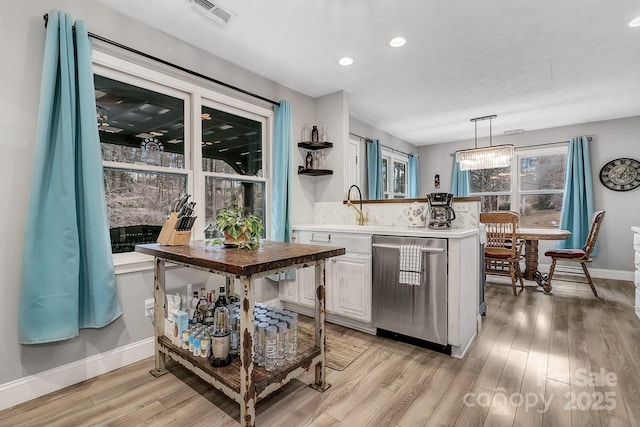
<point x="164" y="80"/>
<point x="391" y="157"/>
<point x="515" y="193"/>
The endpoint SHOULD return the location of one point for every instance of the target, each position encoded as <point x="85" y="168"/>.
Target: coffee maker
<point x="440" y="211"/>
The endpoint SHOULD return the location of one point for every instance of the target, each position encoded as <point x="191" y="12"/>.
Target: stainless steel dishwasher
<point x="412" y="311"/>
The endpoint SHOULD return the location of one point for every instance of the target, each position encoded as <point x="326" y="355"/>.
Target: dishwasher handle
<point x="428" y="250"/>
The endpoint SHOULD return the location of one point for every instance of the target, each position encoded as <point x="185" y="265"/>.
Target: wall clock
<point x="621" y="174"/>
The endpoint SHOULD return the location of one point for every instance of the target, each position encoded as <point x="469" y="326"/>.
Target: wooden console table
<point x="242" y="381"/>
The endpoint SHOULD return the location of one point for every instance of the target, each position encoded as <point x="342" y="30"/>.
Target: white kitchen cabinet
<point x="351" y="286"/>
<point x="288" y="291"/>
<point x="305" y="282"/>
<point x="302" y="290"/>
<point x="347" y="280"/>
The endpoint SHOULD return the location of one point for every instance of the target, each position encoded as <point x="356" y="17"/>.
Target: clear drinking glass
<point x="281" y="343"/>
<point x="291" y="348"/>
<point x="270" y="348"/>
<point x="260" y="338"/>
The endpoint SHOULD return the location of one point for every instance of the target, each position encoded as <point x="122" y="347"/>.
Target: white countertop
<point x="388" y="230"/>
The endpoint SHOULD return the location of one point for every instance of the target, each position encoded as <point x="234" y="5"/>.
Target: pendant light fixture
<point x="487" y="157"/>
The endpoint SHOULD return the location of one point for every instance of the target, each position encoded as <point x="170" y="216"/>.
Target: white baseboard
<point x="596" y="273"/>
<point x="33" y="386"/>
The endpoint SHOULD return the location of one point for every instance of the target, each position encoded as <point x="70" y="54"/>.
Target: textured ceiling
<point x="535" y="63"/>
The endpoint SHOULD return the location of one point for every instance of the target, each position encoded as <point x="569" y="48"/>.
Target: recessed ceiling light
<point x="397" y="42"/>
<point x="345" y="61"/>
<point x="635" y="22"/>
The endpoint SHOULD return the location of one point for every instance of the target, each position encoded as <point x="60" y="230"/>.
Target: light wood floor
<point x="533" y="347"/>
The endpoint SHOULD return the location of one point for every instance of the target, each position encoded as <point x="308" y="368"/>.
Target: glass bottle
<point x="323" y="161"/>
<point x="192" y="338"/>
<point x="196" y="345"/>
<point x="234" y="320"/>
<point x="291" y="348"/>
<point x="305" y="136"/>
<point x="186" y="335"/>
<point x="281" y="342"/>
<point x="260" y="342"/>
<point x="222" y="298"/>
<point x="308" y="161"/>
<point x="323" y="134"/>
<point x="316" y="161"/>
<point x="205" y="344"/>
<point x="256" y="348"/>
<point x="270" y="348"/>
<point x="314" y="134"/>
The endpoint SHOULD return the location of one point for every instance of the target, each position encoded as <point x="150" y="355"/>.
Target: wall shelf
<point x="315" y="145"/>
<point x="315" y="172"/>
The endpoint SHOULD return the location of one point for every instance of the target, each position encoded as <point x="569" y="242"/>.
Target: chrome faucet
<point x="362" y="216"/>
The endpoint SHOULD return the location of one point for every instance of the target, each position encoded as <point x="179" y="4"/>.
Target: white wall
<point x="333" y="111"/>
<point x="365" y="130"/>
<point x="612" y="139"/>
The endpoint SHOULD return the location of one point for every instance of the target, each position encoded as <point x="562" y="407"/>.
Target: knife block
<point x="170" y="236"/>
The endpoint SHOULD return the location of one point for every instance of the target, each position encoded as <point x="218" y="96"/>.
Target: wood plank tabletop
<point x="243" y="262"/>
<point x="543" y="233"/>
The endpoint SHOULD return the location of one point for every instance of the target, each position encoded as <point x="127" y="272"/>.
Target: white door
<point x="351" y="286"/>
<point x="352" y="163"/>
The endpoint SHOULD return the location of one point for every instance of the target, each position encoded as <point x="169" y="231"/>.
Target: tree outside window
<point x="532" y="185"/>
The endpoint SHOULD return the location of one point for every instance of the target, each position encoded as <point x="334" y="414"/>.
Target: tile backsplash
<point x="390" y="214"/>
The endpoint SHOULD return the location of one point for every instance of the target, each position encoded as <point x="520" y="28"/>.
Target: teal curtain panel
<point x="68" y="280"/>
<point x="374" y="169"/>
<point x="459" y="181"/>
<point x="577" y="200"/>
<point x="281" y="199"/>
<point x="414" y="176"/>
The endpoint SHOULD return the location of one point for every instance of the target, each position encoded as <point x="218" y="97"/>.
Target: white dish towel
<point x="410" y="264"/>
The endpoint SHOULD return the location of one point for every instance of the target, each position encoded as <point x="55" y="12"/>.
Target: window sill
<point x="131" y="262"/>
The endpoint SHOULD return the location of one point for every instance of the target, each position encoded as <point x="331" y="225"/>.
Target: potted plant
<point x="239" y="230"/>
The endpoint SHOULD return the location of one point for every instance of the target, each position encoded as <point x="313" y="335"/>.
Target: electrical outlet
<point x="148" y="307"/>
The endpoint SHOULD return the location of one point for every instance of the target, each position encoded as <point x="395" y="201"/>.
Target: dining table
<point x="531" y="236"/>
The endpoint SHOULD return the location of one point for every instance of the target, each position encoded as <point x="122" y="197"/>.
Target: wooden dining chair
<point x="583" y="256"/>
<point x="502" y="251"/>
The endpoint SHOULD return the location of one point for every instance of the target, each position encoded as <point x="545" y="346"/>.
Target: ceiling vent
<point x="212" y="11"/>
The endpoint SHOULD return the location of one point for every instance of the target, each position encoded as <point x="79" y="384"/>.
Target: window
<point x="394" y="175"/>
<point x="148" y="125"/>
<point x="232" y="147"/>
<point x="533" y="186"/>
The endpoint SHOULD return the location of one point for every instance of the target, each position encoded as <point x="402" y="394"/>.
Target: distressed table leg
<point x="247" y="385"/>
<point x="158" y="315"/>
<point x="321" y="337"/>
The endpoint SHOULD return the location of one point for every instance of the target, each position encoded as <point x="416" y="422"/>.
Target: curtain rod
<point x="170" y="64"/>
<point x="538" y="145"/>
<point x="386" y="146"/>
